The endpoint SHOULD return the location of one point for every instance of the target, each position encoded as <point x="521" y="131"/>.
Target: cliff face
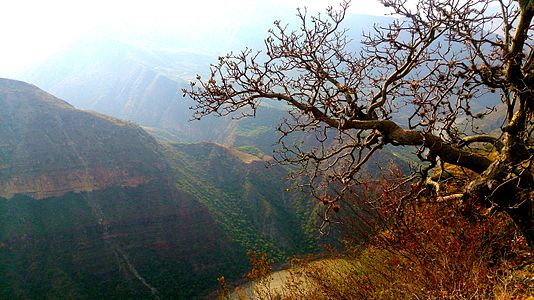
<point x="89" y="209"/>
<point x="119" y="242"/>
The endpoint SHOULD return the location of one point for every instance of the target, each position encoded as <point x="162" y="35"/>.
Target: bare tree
<point x="411" y="83"/>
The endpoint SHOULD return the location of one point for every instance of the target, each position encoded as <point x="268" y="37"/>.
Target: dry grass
<point x="380" y="274"/>
<point x="433" y="250"/>
<point x="438" y="254"/>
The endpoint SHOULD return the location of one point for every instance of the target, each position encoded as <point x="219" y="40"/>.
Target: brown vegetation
<point x="434" y="250"/>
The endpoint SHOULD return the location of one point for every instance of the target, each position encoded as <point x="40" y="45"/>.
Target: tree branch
<point x="483" y="138"/>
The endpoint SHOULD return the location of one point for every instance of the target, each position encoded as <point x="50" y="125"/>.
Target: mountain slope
<point x="90" y="209"/>
<point x="47" y="150"/>
<point x="252" y="202"/>
<point x="94" y="207"/>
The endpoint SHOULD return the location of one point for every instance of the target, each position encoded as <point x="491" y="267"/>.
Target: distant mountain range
<point x="141" y="81"/>
<point x="144" y="86"/>
<point x="121" y="80"/>
<point x="94" y="207"/>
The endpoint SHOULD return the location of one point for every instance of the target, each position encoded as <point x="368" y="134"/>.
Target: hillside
<point x="94" y="207"/>
<point x="49" y="148"/>
<point x="89" y="209"/>
<point x="253" y="203"/>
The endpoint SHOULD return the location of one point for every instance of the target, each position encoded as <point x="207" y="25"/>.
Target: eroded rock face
<point x="57" y="183"/>
<point x="49" y="148"/>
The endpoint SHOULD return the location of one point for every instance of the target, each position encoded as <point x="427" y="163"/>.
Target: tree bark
<point x="523" y="217"/>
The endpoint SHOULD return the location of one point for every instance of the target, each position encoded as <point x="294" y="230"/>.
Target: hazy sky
<point x="33" y="29"/>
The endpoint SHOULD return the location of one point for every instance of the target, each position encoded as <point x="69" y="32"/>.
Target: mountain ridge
<point x="79" y="160"/>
